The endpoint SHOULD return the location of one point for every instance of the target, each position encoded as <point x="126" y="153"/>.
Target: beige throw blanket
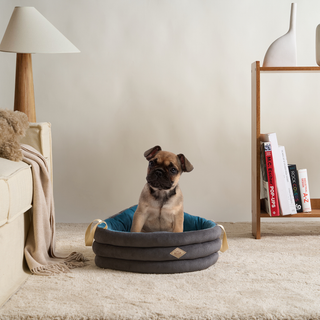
<point x="40" y="245"/>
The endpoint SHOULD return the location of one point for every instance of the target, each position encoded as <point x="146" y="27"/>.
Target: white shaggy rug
<point x="277" y="277"/>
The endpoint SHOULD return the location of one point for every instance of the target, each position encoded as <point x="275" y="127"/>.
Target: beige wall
<point x="169" y="72"/>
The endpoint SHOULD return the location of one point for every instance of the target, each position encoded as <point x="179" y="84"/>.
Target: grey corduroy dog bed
<point x="156" y="252"/>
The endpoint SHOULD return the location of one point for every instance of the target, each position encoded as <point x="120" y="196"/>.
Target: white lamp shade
<point x="29" y="31"/>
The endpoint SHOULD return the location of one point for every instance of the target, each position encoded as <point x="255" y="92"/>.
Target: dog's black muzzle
<point x="159" y="179"/>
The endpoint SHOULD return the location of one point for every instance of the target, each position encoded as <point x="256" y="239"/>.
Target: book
<point x="304" y="187"/>
<point x="294" y="177"/>
<point x="287" y="176"/>
<point x="285" y="193"/>
<point x="270" y="180"/>
<point x="264" y="186"/>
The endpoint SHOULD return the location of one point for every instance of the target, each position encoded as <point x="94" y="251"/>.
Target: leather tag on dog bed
<point x="178" y="253"/>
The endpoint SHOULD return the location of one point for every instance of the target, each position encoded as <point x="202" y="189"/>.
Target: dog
<point x="160" y="206"/>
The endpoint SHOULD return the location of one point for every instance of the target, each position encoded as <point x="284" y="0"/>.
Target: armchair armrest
<point x="39" y="137"/>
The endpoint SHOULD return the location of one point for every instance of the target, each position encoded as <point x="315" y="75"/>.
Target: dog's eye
<point x="151" y="163"/>
<point x="173" y="170"/>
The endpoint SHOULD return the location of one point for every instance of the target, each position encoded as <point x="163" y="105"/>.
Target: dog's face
<point x="165" y="168"/>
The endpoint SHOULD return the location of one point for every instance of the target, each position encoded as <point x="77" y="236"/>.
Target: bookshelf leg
<point x="255" y="148"/>
<point x="256" y="226"/>
<point x="258" y="232"/>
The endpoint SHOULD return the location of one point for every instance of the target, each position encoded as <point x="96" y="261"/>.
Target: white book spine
<point x="285" y="192"/>
<point x="304" y="189"/>
<point x="287" y="176"/>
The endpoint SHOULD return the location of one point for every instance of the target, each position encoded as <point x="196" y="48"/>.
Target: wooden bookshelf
<point x="257" y="209"/>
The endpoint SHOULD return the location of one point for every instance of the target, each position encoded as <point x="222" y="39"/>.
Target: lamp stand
<point x="24" y="92"/>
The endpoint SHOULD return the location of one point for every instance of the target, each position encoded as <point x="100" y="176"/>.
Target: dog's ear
<point x="185" y="164"/>
<point x="149" y="154"/>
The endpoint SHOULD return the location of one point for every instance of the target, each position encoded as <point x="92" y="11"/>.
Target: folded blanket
<point x="40" y="245"/>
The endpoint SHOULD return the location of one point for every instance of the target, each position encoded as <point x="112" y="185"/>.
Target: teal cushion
<point x="123" y="221"/>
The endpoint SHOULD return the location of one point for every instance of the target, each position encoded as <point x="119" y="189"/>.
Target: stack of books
<point x="284" y="188"/>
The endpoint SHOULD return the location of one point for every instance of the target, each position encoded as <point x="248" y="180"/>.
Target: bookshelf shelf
<point x="257" y="208"/>
<point x="314" y="214"/>
<point x="288" y="69"/>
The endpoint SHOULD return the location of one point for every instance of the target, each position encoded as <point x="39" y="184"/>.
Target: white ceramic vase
<point x="283" y="51"/>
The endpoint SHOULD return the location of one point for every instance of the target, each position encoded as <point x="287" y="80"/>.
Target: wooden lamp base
<point x="24" y="91"/>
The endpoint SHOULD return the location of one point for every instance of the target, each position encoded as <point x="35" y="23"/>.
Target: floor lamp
<point x="30" y="32"/>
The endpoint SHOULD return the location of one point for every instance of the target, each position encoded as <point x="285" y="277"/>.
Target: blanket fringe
<point x="74" y="260"/>
<point x="51" y="269"/>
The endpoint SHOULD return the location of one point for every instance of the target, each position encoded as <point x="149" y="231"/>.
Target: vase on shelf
<point x="283" y="51"/>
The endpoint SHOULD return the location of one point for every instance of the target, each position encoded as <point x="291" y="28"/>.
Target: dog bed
<point x="196" y="248"/>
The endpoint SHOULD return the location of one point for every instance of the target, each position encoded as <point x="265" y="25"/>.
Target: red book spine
<point x="272" y="182"/>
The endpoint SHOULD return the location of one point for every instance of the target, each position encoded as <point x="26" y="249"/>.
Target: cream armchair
<point x="16" y="189"/>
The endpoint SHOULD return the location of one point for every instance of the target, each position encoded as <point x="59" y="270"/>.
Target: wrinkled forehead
<point x="166" y="158"/>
